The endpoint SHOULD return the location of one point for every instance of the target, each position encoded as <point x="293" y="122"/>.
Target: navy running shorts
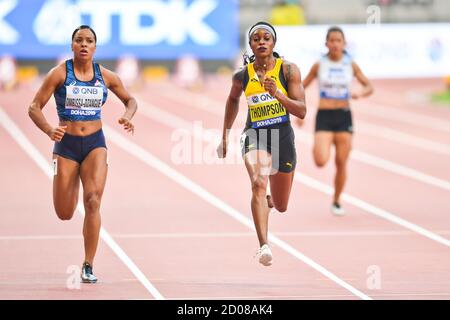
<point x="77" y="148"/>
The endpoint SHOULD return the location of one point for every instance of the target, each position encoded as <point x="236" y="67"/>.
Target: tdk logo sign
<point x="140" y="22"/>
<point x="148" y="29"/>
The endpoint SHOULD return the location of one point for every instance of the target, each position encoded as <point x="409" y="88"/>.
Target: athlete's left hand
<point x="270" y="86"/>
<point x="127" y="125"/>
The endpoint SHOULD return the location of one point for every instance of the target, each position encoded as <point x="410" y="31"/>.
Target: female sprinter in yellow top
<point x="273" y="90"/>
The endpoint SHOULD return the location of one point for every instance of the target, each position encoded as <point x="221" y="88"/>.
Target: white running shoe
<point x="265" y="255"/>
<point x="86" y="274"/>
<point x="337" y="210"/>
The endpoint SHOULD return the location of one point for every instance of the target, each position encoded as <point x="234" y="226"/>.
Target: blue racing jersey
<point x="81" y="100"/>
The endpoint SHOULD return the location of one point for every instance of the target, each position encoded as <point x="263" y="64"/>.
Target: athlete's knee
<point x="280" y="204"/>
<point x="64" y="214"/>
<point x="259" y="184"/>
<point x="281" y="207"/>
<point x="320" y="161"/>
<point x="92" y="201"/>
<point x="341" y="162"/>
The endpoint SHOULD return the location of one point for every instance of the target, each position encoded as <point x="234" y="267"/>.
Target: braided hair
<point x="250" y="59"/>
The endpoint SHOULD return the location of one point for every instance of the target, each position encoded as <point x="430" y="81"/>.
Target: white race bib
<point x="85" y="98"/>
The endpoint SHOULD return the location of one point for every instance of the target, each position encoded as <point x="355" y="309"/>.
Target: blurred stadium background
<point x="187" y="39"/>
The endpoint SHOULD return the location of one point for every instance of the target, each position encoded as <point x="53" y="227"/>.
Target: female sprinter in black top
<point x="273" y="90"/>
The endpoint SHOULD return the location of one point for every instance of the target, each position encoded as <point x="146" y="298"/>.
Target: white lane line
<point x="386" y="165"/>
<point x="140" y="153"/>
<point x="391" y="113"/>
<point x="211" y="106"/>
<point x="378" y="162"/>
<point x="17" y="134"/>
<point x="401" y="137"/>
<point x="384" y="214"/>
<point x="394" y="135"/>
<point x="381" y="233"/>
<point x="173" y="121"/>
<point x="400" y="170"/>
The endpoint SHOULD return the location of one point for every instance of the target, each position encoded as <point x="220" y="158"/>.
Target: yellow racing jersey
<point x="263" y="109"/>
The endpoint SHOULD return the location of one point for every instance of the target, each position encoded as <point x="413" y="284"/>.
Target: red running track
<point x="185" y="226"/>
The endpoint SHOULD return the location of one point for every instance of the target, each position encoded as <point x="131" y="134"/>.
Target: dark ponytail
<point x="250" y="59"/>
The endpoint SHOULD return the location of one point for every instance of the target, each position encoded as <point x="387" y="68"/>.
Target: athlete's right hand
<point x="222" y="149"/>
<point x="56" y="134"/>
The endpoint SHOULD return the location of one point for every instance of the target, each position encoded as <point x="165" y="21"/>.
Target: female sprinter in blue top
<point x="273" y="90"/>
<point x="335" y="72"/>
<point x="80" y="87"/>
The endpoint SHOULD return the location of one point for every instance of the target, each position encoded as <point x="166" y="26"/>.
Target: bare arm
<point x="311" y="75"/>
<point x="114" y="83"/>
<point x="52" y="81"/>
<point x="295" y="101"/>
<point x="367" y="86"/>
<point x="231" y="110"/>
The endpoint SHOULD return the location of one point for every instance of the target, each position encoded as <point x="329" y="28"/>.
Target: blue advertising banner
<point x="147" y="29"/>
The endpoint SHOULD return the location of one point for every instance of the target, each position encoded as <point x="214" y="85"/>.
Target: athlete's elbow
<point x="32" y="110"/>
<point x="233" y="101"/>
<point x="131" y="103"/>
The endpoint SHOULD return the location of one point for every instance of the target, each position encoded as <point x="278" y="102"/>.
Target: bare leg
<point x="322" y="146"/>
<point x="93" y="176"/>
<point x="66" y="185"/>
<point x="281" y="185"/>
<point x="343" y="141"/>
<point x="258" y="164"/>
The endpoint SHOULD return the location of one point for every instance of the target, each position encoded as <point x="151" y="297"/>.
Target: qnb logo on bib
<point x="84" y="98"/>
